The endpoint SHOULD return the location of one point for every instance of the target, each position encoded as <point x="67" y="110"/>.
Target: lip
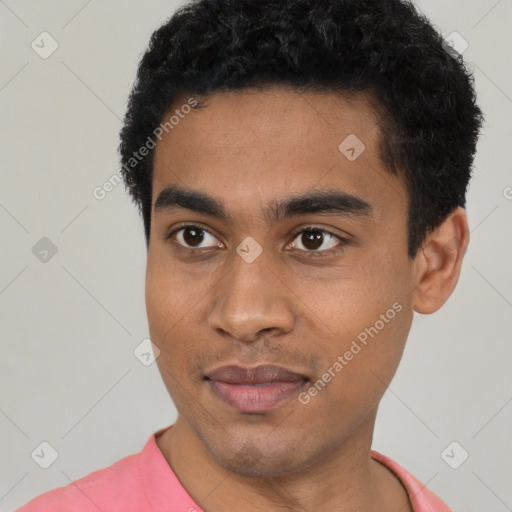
<point x="254" y="389"/>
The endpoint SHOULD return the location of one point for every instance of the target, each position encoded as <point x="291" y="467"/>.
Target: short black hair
<point x="425" y="98"/>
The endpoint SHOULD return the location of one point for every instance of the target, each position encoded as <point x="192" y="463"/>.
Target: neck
<point x="347" y="479"/>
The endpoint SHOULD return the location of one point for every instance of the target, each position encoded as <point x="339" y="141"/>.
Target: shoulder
<point x="422" y="498"/>
<point x="109" y="488"/>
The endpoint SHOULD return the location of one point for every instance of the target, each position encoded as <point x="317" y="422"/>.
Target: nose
<point x="252" y="301"/>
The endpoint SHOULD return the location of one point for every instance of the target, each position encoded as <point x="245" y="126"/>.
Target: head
<point x="301" y="170"/>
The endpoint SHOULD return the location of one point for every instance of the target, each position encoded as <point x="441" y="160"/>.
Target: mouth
<point x="255" y="389"/>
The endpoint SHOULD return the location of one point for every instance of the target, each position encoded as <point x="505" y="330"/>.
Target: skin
<point x="288" y="307"/>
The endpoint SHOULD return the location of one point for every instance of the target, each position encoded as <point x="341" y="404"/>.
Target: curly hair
<point x="424" y="94"/>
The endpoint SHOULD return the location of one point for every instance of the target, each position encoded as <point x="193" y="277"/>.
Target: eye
<point x="191" y="237"/>
<point x="312" y="239"/>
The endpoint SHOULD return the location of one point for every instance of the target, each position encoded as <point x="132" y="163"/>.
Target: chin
<point x="252" y="460"/>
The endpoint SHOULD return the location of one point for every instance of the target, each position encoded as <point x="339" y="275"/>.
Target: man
<point x="301" y="170"/>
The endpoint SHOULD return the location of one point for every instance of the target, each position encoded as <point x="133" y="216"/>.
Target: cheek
<point x="159" y="303"/>
<point x="167" y="323"/>
<point x="169" y="295"/>
<point x="368" y="315"/>
<point x="355" y="373"/>
<point x="355" y="297"/>
<point x="173" y="304"/>
<point x="163" y="295"/>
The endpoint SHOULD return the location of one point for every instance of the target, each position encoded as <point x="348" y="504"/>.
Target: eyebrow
<point x="329" y="201"/>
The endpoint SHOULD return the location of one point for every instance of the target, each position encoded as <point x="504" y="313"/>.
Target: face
<point x="295" y="255"/>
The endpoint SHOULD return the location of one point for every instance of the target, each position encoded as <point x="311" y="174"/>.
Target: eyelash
<point x="311" y="253"/>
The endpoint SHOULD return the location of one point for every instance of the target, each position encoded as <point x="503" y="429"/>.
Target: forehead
<point x="261" y="115"/>
<point x="269" y="143"/>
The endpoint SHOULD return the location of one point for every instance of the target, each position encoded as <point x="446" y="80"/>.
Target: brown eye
<point x="194" y="237"/>
<point x="312" y="239"/>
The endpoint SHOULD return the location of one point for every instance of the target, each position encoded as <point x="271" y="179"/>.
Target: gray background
<point x="69" y="325"/>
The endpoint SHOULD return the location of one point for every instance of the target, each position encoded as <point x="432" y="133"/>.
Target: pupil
<point x="313" y="239"/>
<point x="195" y="238"/>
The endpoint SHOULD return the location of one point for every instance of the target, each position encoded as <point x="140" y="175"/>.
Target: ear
<point x="439" y="261"/>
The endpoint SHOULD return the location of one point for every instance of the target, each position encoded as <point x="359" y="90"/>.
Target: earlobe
<point x="439" y="261"/>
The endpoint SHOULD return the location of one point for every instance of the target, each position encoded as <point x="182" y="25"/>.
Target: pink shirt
<point x="144" y="482"/>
